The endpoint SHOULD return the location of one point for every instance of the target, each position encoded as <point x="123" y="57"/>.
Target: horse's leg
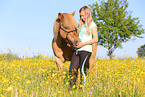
<point x="92" y="58"/>
<point x="59" y="63"/>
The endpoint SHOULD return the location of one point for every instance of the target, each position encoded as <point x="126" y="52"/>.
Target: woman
<point x="88" y="35"/>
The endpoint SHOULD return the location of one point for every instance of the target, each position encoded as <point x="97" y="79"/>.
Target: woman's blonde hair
<point x="88" y="19"/>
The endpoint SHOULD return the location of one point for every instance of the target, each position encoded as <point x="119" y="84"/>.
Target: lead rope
<point x="84" y="72"/>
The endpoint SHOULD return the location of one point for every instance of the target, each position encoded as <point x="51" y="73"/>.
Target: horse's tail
<point x="55" y="29"/>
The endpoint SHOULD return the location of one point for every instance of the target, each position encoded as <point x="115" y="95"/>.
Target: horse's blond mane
<point x="55" y="29"/>
<point x="68" y="21"/>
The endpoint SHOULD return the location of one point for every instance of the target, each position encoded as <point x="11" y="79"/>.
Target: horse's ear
<point x="73" y="13"/>
<point x="60" y="16"/>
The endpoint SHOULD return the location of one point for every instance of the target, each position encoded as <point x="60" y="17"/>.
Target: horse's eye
<point x="66" y="27"/>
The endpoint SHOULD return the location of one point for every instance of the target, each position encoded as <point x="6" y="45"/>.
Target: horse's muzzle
<point x="75" y="42"/>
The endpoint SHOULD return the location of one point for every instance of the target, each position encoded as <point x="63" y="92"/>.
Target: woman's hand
<point x="80" y="44"/>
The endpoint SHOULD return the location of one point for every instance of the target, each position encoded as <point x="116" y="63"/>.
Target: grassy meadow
<point x="38" y="77"/>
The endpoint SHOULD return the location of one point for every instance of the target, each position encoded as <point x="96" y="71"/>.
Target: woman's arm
<point x="93" y="40"/>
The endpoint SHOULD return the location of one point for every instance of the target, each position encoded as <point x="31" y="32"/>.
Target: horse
<point x="65" y="39"/>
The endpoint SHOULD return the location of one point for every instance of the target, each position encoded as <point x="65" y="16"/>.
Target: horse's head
<point x="68" y="28"/>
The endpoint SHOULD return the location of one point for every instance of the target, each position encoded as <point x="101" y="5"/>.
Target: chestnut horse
<point x="66" y="38"/>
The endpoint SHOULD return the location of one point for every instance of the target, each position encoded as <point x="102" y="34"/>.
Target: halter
<point x="67" y="31"/>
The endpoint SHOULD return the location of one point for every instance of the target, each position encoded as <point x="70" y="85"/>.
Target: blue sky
<point x="26" y="26"/>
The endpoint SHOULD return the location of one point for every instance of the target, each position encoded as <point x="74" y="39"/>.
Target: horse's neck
<point x="60" y="41"/>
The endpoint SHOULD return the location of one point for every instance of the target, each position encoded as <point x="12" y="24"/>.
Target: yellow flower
<point x="47" y="82"/>
<point x="24" y="76"/>
<point x="64" y="76"/>
<point x="41" y="84"/>
<point x="28" y="82"/>
<point x="64" y="72"/>
<point x="21" y="91"/>
<point x="5" y="81"/>
<point x="67" y="83"/>
<point x="59" y="91"/>
<point x="2" y="95"/>
<point x="9" y="88"/>
<point x="53" y="75"/>
<point x="57" y="81"/>
<point x="54" y="94"/>
<point x="18" y="77"/>
<point x="119" y="93"/>
<point x="73" y="86"/>
<point x="81" y="86"/>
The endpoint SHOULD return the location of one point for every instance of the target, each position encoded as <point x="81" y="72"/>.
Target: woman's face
<point x="82" y="15"/>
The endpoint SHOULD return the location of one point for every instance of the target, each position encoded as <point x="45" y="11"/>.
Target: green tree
<point x="141" y="51"/>
<point x="115" y="24"/>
